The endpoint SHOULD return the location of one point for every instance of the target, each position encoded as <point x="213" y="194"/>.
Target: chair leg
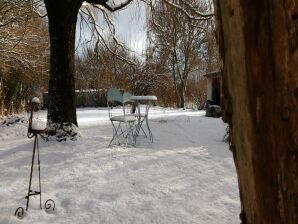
<point x="130" y="134"/>
<point x="124" y="134"/>
<point x="115" y="131"/>
<point x="127" y="135"/>
<point x="141" y="128"/>
<point x="132" y="131"/>
<point x="137" y="129"/>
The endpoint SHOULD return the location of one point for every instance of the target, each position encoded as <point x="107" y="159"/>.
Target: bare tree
<point x="180" y="40"/>
<point x="62" y="17"/>
<point x="22" y="33"/>
<point x="23" y="54"/>
<point x="100" y="69"/>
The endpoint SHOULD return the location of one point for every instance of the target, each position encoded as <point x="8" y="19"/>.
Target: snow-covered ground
<point x="186" y="176"/>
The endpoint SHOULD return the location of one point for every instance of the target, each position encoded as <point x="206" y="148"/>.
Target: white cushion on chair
<point x="121" y="118"/>
<point x="142" y="115"/>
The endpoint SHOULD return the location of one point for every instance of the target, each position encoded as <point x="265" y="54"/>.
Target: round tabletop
<point x="150" y="98"/>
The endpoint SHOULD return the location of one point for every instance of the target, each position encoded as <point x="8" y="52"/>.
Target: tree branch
<point x="98" y="33"/>
<point x="198" y="15"/>
<point x="107" y="6"/>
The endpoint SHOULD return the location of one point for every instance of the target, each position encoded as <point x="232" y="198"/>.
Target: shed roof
<point x="212" y="75"/>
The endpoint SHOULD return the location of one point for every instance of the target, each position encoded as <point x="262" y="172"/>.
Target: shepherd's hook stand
<point x="33" y="132"/>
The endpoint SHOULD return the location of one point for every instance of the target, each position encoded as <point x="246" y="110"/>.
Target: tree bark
<point x="258" y="44"/>
<point x="62" y="18"/>
<point x="182" y="94"/>
<point x="175" y="82"/>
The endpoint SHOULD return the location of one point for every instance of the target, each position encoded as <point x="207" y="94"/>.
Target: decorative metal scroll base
<point x="49" y="204"/>
<point x="19" y="212"/>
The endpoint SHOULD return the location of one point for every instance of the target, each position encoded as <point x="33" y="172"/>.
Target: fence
<point x="84" y="98"/>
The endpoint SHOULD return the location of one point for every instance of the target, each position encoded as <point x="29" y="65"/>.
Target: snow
<point x="37" y="122"/>
<point x="38" y="125"/>
<point x="153" y="98"/>
<point x="35" y="100"/>
<point x="186" y="176"/>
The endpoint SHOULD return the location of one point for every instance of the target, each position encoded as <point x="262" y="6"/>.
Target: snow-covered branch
<point x="189" y="8"/>
<point x="111" y="8"/>
<point x="89" y="13"/>
<point x="21" y="34"/>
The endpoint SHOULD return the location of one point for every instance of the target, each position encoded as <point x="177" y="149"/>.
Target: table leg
<point x="139" y="120"/>
<point x="147" y="124"/>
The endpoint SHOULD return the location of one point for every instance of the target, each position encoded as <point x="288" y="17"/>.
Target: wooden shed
<point x="214" y="84"/>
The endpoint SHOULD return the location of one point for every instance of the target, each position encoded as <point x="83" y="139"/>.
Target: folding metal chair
<point x="123" y="124"/>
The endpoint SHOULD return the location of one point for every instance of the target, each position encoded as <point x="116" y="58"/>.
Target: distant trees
<point x="23" y="54"/>
<point x="178" y="41"/>
<point x="99" y="69"/>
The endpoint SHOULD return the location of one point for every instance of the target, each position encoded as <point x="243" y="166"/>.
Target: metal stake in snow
<point x="35" y="129"/>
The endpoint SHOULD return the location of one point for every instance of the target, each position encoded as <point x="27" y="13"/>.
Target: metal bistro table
<point x="147" y="100"/>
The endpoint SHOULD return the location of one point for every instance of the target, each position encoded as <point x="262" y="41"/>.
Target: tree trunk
<point x="62" y="17"/>
<point x="178" y="99"/>
<point x="175" y="85"/>
<point x="258" y="44"/>
<point x="182" y="94"/>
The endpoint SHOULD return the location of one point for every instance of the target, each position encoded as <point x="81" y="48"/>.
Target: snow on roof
<point x="83" y="90"/>
<point x="214" y="74"/>
<point x="87" y="90"/>
<point x="35" y="100"/>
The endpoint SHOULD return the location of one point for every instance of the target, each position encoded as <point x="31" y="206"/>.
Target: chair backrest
<point x="114" y="95"/>
<point x="126" y="98"/>
<point x="128" y="104"/>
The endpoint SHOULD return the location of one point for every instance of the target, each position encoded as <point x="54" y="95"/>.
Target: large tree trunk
<point x="258" y="44"/>
<point x="62" y="17"/>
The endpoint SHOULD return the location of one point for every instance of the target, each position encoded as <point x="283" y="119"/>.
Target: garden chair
<point x="133" y="111"/>
<point x="123" y="124"/>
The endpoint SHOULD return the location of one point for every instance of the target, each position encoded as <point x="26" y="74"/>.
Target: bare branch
<point x="20" y="34"/>
<point x="98" y="30"/>
<point x="115" y="8"/>
<point x="197" y="15"/>
<point x="109" y="7"/>
<point x="187" y="8"/>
